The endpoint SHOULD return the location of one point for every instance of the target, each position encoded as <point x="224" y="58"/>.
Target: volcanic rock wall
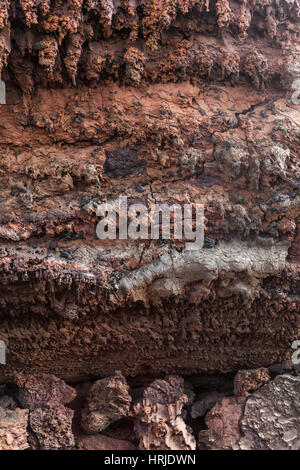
<point x="180" y="101"/>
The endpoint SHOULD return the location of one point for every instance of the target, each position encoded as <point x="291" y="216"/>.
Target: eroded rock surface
<point x="164" y="102"/>
<point x="13" y="429"/>
<point x="51" y="425"/>
<point x="264" y="419"/>
<point x="35" y="391"/>
<point x="108" y="400"/>
<point x="271" y="420"/>
<point x="166" y="414"/>
<point x="158" y="421"/>
<point x="223" y="423"/>
<point x="250" y="380"/>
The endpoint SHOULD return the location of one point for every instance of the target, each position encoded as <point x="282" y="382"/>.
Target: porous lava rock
<point x="51" y="427"/>
<point x="178" y="102"/>
<point x="250" y="380"/>
<point x="157" y="414"/>
<point x="13" y="429"/>
<point x="37" y="390"/>
<point x="107" y="401"/>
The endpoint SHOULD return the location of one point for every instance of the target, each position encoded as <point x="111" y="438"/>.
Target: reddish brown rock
<point x="99" y="442"/>
<point x="179" y="101"/>
<point x="107" y="401"/>
<point x="223" y="423"/>
<point x="37" y="390"/>
<point x="51" y="426"/>
<point x="186" y="101"/>
<point x="250" y="380"/>
<point x="158" y="421"/>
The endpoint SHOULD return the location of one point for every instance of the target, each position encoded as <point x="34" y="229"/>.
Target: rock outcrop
<point x="169" y="103"/>
<point x="184" y="102"/>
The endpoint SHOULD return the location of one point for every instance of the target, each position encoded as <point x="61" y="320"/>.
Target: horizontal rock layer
<point x="184" y="102"/>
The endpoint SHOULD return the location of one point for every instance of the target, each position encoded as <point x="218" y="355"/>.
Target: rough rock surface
<point x="99" y="442"/>
<point x="13" y="429"/>
<point x="108" y="400"/>
<point x="165" y="102"/>
<point x="51" y="427"/>
<point x="158" y="421"/>
<point x="223" y="423"/>
<point x="179" y="101"/>
<point x="250" y="380"/>
<point x="271" y="419"/>
<point x="265" y="419"/>
<point x="35" y="391"/>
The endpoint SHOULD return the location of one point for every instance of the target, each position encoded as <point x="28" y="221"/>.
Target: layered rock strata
<point x="178" y="102"/>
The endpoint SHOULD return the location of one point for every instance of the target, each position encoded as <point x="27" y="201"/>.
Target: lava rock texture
<point x="160" y="414"/>
<point x="163" y="102"/>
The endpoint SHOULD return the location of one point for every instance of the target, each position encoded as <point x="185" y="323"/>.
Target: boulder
<point x="222" y="421"/>
<point x="271" y="419"/>
<point x="51" y="425"/>
<point x="158" y="417"/>
<point x="37" y="390"/>
<point x="107" y="402"/>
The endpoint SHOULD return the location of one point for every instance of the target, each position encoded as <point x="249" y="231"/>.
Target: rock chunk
<point x="158" y="421"/>
<point x="13" y="429"/>
<point x="35" y="391"/>
<point x="271" y="419"/>
<point x="51" y="425"/>
<point x="222" y="420"/>
<point x="107" y="401"/>
<point x="246" y="380"/>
